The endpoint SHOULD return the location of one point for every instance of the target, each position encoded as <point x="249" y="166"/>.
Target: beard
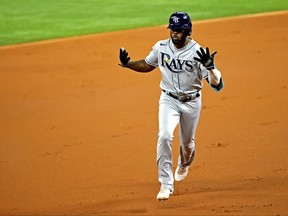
<point x="178" y="40"/>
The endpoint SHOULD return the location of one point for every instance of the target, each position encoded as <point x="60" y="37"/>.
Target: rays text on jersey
<point x="175" y="65"/>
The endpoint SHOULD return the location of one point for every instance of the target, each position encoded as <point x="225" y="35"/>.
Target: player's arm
<point x="207" y="60"/>
<point x="215" y="79"/>
<point x="139" y="66"/>
<point x="214" y="76"/>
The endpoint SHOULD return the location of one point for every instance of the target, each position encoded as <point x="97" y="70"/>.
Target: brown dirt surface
<point x="78" y="132"/>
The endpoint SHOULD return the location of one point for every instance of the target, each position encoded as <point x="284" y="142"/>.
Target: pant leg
<point x="168" y="120"/>
<point x="187" y="131"/>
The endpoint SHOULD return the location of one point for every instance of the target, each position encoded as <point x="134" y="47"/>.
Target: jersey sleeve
<point x="204" y="71"/>
<point x="152" y="57"/>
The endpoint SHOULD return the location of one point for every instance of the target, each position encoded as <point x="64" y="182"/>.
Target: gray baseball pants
<point x="171" y="113"/>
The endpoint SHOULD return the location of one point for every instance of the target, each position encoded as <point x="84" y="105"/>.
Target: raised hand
<point x="205" y="58"/>
<point x="124" y="58"/>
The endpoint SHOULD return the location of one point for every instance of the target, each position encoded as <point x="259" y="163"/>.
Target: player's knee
<point x="165" y="136"/>
<point x="190" y="143"/>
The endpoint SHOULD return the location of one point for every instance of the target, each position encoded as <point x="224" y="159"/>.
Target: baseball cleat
<point x="181" y="173"/>
<point x="164" y="194"/>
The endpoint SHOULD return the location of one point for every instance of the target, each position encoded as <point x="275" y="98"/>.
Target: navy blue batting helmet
<point x="180" y="21"/>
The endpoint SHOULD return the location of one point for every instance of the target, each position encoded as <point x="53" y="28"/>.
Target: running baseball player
<point x="183" y="64"/>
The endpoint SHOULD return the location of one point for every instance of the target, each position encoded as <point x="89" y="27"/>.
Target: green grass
<point x="32" y="20"/>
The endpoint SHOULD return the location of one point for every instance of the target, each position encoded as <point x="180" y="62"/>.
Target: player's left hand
<point x="205" y="58"/>
<point x="124" y="58"/>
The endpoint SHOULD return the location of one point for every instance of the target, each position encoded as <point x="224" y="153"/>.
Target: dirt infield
<point x="78" y="133"/>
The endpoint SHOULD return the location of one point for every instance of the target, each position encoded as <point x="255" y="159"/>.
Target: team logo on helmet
<point x="175" y="19"/>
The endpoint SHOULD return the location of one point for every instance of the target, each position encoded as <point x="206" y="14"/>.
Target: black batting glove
<point x="205" y="58"/>
<point x="124" y="58"/>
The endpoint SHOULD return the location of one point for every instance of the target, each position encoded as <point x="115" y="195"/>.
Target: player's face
<point x="178" y="37"/>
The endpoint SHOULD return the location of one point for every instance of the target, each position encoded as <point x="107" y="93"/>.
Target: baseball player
<point x="183" y="64"/>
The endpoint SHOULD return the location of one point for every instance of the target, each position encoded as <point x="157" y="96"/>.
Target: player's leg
<point x="168" y="120"/>
<point x="187" y="130"/>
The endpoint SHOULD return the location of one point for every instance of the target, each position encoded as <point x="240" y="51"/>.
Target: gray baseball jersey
<point x="180" y="72"/>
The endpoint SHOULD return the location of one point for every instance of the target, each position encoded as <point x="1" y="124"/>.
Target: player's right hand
<point x="124" y="58"/>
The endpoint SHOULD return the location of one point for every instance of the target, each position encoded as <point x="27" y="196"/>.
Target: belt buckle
<point x="183" y="97"/>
